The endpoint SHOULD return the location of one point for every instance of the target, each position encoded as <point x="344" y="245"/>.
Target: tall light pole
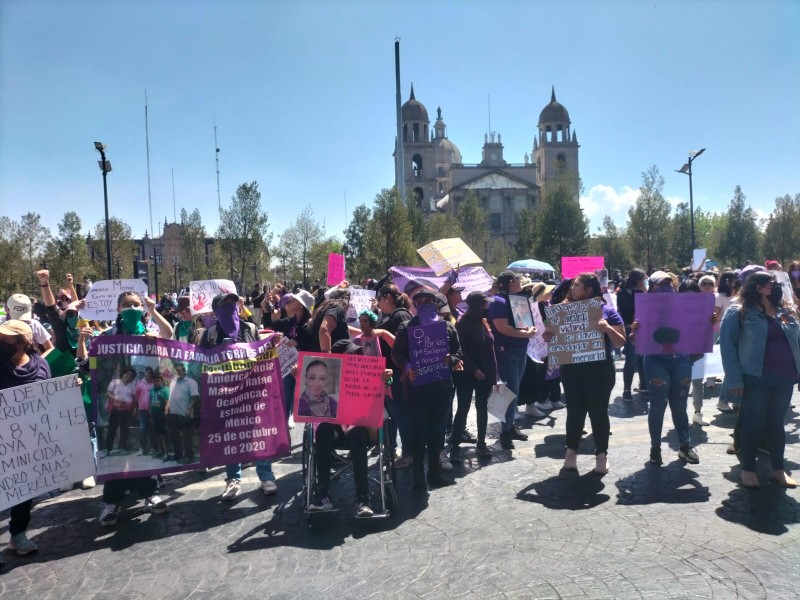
<point x="105" y="167"/>
<point x="687" y="170"/>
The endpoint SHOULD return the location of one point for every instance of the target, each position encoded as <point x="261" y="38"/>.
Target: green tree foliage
<point x="648" y="221"/>
<point x="123" y="249"/>
<point x="739" y="242"/>
<point x="442" y="225"/>
<point x="560" y="227"/>
<point x="388" y="237"/>
<point x="13" y="272"/>
<point x="498" y="256"/>
<point x="472" y="219"/>
<point x="782" y="235"/>
<point x="353" y="248"/>
<point x="193" y="254"/>
<point x="419" y="229"/>
<point x="243" y="231"/>
<point x="299" y="239"/>
<point x="319" y="258"/>
<point x="68" y="253"/>
<point x="526" y="235"/>
<point x="612" y="243"/>
<point x="33" y="237"/>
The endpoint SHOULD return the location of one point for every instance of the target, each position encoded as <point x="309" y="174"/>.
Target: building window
<point x="405" y="133"/>
<point x="416" y="165"/>
<point x="494" y="221"/>
<point x="415" y="133"/>
<point x="562" y="160"/>
<point x="419" y="196"/>
<point x="441" y="187"/>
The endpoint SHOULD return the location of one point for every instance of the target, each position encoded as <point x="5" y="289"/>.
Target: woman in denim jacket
<point x="760" y="345"/>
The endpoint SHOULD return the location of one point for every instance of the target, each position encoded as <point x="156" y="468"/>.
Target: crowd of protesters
<point x="755" y="323"/>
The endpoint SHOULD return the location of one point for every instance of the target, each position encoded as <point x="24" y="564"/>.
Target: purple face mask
<point x="208" y="320"/>
<point x="228" y="318"/>
<point x="427" y="314"/>
<point x="796" y="274"/>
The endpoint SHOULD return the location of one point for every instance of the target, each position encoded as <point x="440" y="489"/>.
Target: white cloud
<point x="605" y="200"/>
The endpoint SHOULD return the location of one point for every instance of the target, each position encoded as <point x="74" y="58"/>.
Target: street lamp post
<point x="105" y="167"/>
<point x="154" y="258"/>
<point x="175" y="266"/>
<point x="687" y="170"/>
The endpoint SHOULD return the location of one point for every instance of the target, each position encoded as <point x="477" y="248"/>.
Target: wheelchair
<point x="380" y="471"/>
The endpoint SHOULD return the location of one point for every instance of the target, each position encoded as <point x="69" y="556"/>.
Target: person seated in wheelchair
<point x="357" y="439"/>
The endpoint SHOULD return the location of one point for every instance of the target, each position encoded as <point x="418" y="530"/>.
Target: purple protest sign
<point x="427" y="346"/>
<point x="674" y="323"/>
<point x="411" y="279"/>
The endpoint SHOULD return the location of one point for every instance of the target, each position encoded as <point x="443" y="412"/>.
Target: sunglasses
<point x="706" y="284"/>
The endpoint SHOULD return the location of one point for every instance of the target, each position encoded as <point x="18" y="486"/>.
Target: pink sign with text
<point x="335" y="268"/>
<point x="575" y="265"/>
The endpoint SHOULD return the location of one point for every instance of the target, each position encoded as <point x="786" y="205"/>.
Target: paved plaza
<point x="512" y="527"/>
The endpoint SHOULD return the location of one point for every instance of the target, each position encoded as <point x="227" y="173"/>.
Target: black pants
<point x="328" y="437"/>
<point x="181" y="434"/>
<point x="465" y="386"/>
<point x="118" y="419"/>
<point x="528" y="390"/>
<point x="543" y="389"/>
<point x="587" y="387"/>
<point x="634" y="363"/>
<point x="20" y="517"/>
<point x="114" y="489"/>
<point x="428" y="405"/>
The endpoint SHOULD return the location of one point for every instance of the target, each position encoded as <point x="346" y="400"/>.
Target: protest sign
<point x="575" y="265"/>
<point x="576" y="338"/>
<point x="445" y="255"/>
<point x="537" y="347"/>
<point x="698" y="259"/>
<point x="335" y="268"/>
<point x="44" y="439"/>
<point x="674" y="323"/>
<point x="709" y="366"/>
<point x="786" y="285"/>
<point x="521" y="311"/>
<point x="498" y="402"/>
<point x="412" y="279"/>
<point x="370" y="345"/>
<point x="287" y="356"/>
<point x="202" y="404"/>
<point x="346" y="389"/>
<point x="361" y="299"/>
<point x="202" y="292"/>
<point x="100" y="302"/>
<point x="427" y="345"/>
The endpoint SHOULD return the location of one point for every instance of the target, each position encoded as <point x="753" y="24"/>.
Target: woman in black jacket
<point x="634" y="284"/>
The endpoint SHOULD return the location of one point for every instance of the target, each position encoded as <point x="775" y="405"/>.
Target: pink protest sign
<point x="574" y="265"/>
<point x="346" y="389"/>
<point x="335" y="268"/>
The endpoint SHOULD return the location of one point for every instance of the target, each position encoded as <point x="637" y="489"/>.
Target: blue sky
<point x="303" y="94"/>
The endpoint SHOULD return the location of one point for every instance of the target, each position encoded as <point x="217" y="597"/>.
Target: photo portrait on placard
<point x="319" y="387"/>
<point x="521" y="311"/>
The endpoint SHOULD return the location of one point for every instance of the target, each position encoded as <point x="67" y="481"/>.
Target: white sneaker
<point x="444" y="461"/>
<point x="559" y="404"/>
<point x="723" y="406"/>
<point x="88" y="483"/>
<point x="269" y="487"/>
<point x="532" y="411"/>
<point x="21" y="544"/>
<point x="155" y="505"/>
<point x="232" y="489"/>
<point x="697" y="419"/>
<point x="546" y="405"/>
<point x="291" y="422"/>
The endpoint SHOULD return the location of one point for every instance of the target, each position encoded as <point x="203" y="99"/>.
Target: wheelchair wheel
<point x="390" y="497"/>
<point x="308" y="465"/>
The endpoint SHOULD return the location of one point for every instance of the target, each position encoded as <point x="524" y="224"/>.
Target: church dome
<point x="554" y="112"/>
<point x="448" y="148"/>
<point x="414" y="110"/>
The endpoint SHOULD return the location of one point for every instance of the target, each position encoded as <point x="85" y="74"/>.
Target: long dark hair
<point x="591" y="281"/>
<point x="635" y="276"/>
<point x="562" y="291"/>
<point x="315" y="323"/>
<point x="399" y="299"/>
<point x="727" y="283"/>
<point x="748" y="296"/>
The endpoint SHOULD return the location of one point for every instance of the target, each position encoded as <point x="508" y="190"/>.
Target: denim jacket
<point x="743" y="341"/>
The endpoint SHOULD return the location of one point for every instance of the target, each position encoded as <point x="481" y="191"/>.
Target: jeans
<point x="428" y="406"/>
<point x="668" y="378"/>
<point x="764" y="405"/>
<point x="263" y="470"/>
<point x="510" y="369"/>
<point x="147" y="433"/>
<point x="633" y="362"/>
<point x="465" y="385"/>
<point x="118" y="419"/>
<point x="326" y="439"/>
<point x="587" y="387"/>
<point x="114" y="489"/>
<point x="401" y="418"/>
<point x="181" y="436"/>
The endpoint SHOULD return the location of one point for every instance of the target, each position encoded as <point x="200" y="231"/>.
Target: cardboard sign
<point x="576" y="337"/>
<point x="346" y="389"/>
<point x="335" y="268"/>
<point x="101" y="301"/>
<point x="537" y="347"/>
<point x="428" y="346"/>
<point x="498" y="403"/>
<point x="575" y="265"/>
<point x="445" y="255"/>
<point x="45" y="439"/>
<point x="214" y="406"/>
<point x="521" y="311"/>
<point x="201" y="293"/>
<point x="698" y="259"/>
<point x="674" y="323"/>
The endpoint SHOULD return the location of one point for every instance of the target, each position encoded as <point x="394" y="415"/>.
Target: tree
<point x="472" y="219"/>
<point x="442" y="225"/>
<point x="740" y="237"/>
<point x="526" y="234"/>
<point x="613" y="245"/>
<point x="123" y="248"/>
<point x="782" y="236"/>
<point x="298" y="239"/>
<point x="648" y="221"/>
<point x="319" y="257"/>
<point x="68" y="252"/>
<point x="353" y="248"/>
<point x="193" y="255"/>
<point x="12" y="267"/>
<point x="419" y="229"/>
<point x="561" y="228"/>
<point x="243" y="230"/>
<point x="34" y="237"/>
<point x="387" y="239"/>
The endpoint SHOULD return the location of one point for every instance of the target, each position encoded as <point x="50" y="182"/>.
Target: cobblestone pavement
<point x="512" y="527"/>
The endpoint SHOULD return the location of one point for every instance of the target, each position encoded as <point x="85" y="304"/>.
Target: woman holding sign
<point x="587" y="386"/>
<point x="20" y="363"/>
<point x="760" y="345"/>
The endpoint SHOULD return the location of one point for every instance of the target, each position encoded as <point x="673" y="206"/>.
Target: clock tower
<point x="492" y="151"/>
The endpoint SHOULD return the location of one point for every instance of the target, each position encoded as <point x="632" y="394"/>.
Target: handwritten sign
<point x="361" y="299"/>
<point x="445" y="255"/>
<point x="576" y="338"/>
<point x="428" y="348"/>
<point x="498" y="402"/>
<point x="202" y="292"/>
<point x="521" y="311"/>
<point x="575" y="265"/>
<point x="101" y="300"/>
<point x="698" y="259"/>
<point x="335" y="268"/>
<point x="45" y="439"/>
<point x="537" y="347"/>
<point x="360" y="388"/>
<point x="287" y="356"/>
<point x="674" y="323"/>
